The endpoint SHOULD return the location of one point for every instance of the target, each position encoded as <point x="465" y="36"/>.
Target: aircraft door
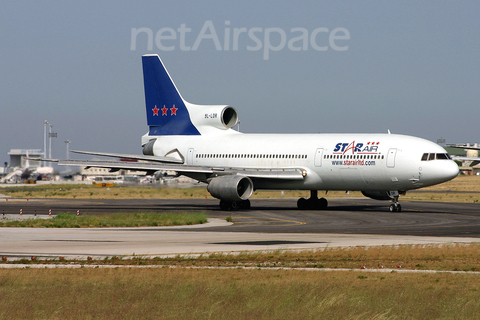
<point x="391" y="158"/>
<point x="190" y="156"/>
<point x="318" y="157"/>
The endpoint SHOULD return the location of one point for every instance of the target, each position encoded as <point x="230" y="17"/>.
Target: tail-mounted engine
<point x="221" y="117"/>
<point x="148" y="147"/>
<point x="231" y="187"/>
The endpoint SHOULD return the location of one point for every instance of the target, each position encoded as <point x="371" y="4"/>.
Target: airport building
<point x="25" y="158"/>
<point x="90" y="173"/>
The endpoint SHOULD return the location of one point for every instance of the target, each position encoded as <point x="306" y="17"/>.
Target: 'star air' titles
<point x="360" y="148"/>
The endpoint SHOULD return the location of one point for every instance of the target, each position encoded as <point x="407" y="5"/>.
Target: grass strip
<point x="441" y="257"/>
<point x="446" y="257"/>
<point x="167" y="293"/>
<point x="68" y="220"/>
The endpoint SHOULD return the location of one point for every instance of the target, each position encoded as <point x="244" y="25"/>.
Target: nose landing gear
<point x="395" y="206"/>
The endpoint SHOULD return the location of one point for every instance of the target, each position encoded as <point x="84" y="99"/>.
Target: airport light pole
<point x="67" y="142"/>
<point x="50" y="126"/>
<point x="50" y="136"/>
<point x="45" y="123"/>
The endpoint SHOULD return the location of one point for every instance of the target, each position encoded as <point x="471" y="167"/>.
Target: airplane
<point x="472" y="159"/>
<point x="198" y="141"/>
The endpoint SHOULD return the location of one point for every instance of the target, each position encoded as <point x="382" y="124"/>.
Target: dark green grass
<point x="67" y="220"/>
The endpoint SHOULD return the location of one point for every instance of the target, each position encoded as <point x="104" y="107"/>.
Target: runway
<point x="271" y="224"/>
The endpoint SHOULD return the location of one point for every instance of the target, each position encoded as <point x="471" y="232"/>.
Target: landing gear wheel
<point x="235" y="205"/>
<point x="224" y="205"/>
<point x="395" y="207"/>
<point x="312" y="203"/>
<point x="322" y="203"/>
<point x="245" y="204"/>
<point x="302" y="204"/>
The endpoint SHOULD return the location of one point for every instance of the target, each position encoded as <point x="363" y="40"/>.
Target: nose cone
<point x="449" y="170"/>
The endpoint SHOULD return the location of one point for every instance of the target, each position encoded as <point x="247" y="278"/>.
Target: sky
<point x="411" y="67"/>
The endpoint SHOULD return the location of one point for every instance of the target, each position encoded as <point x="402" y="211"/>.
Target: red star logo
<point x="155" y="111"/>
<point x="174" y="110"/>
<point x="164" y="111"/>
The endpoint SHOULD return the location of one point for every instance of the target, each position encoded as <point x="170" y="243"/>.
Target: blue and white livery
<point x="198" y="141"/>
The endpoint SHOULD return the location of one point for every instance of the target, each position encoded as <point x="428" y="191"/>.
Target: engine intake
<point x="229" y="117"/>
<point x="231" y="187"/>
<point x="221" y="117"/>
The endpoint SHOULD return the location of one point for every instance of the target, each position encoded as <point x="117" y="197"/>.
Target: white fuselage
<point x="331" y="161"/>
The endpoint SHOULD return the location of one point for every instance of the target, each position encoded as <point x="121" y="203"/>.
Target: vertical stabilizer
<point x="166" y="110"/>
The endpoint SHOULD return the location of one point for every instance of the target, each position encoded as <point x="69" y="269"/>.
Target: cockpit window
<point x="437" y="156"/>
<point x="443" y="156"/>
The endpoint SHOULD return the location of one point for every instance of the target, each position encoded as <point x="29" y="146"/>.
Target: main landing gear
<point x="234" y="205"/>
<point x="312" y="203"/>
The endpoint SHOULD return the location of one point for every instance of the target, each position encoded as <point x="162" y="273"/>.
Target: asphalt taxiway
<point x="271" y="224"/>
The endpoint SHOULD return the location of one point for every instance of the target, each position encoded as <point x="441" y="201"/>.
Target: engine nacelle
<point x="381" y="195"/>
<point x="221" y="117"/>
<point x="148" y="147"/>
<point x="231" y="187"/>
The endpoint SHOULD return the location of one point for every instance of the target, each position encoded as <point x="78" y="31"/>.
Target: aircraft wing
<point x="464" y="147"/>
<point x="200" y="172"/>
<point x="474" y="160"/>
<point x="131" y="156"/>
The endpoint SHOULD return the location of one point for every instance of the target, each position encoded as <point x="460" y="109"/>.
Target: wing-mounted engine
<point x="231" y="187"/>
<point x="220" y="117"/>
<point x="381" y="195"/>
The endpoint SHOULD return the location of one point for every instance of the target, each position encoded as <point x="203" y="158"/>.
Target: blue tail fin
<point x="166" y="110"/>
